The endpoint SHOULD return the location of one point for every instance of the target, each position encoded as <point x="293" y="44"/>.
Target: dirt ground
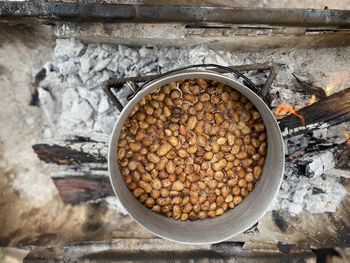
<point x="29" y="202"/>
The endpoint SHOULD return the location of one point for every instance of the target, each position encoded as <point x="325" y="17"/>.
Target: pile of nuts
<point x="192" y="149"/>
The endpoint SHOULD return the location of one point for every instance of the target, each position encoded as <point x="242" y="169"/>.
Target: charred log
<point x="77" y="189"/>
<point x="65" y="155"/>
<point x="329" y="111"/>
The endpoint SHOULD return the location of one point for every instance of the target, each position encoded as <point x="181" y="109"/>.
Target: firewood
<point x="329" y="111"/>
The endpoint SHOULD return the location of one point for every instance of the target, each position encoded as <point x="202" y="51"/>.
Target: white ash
<point x="74" y="104"/>
<point x="316" y="195"/>
<point x="115" y="203"/>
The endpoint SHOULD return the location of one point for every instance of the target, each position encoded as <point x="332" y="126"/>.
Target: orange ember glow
<point x="328" y="89"/>
<point x="284" y="109"/>
<point x="346" y="135"/>
<point x="312" y="100"/>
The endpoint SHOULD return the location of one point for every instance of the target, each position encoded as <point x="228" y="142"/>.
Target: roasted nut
<point x="219" y="165"/>
<point x="178" y="186"/>
<point x="229" y="198"/>
<point x="236" y="190"/>
<point x="215" y="147"/>
<point x="143" y="198"/>
<point x="155" y="194"/>
<point x="225" y="191"/>
<point x="257" y="172"/>
<point x="132" y="165"/>
<point x="138" y="192"/>
<point x="191" y="123"/>
<point x="149" y="202"/>
<point x="237" y="199"/>
<point x="259" y="127"/>
<point x="247" y="162"/>
<point x="176" y="212"/>
<point x="173" y="141"/>
<point x="145" y="186"/>
<point x="156" y="184"/>
<point x="219" y="211"/>
<point x="263" y="149"/>
<point x="156" y="209"/>
<point x="204" y="97"/>
<point x="231" y="139"/>
<point x="162" y="201"/>
<point x="244" y="192"/>
<point x="221" y="141"/>
<point x="192" y="149"/>
<point x="249" y="177"/>
<point x="153" y="158"/>
<point x="262" y="137"/>
<point x="219" y="176"/>
<point x="163" y="149"/>
<point x="241" y="155"/>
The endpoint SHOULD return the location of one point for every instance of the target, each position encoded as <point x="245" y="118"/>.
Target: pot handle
<point x="119" y="83"/>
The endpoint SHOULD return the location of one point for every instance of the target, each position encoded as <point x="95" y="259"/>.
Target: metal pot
<point x="233" y="221"/>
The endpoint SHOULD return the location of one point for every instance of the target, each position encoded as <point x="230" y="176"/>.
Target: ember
<point x="284" y="109"/>
<point x="328" y="89"/>
<point x="337" y="79"/>
<point x="312" y="100"/>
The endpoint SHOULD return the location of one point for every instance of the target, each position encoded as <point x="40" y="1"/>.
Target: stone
<point x="102" y="64"/>
<point x="105" y="123"/>
<point x="128" y="52"/>
<point x="103" y="105"/>
<point x="68" y="47"/>
<point x="69" y="96"/>
<point x="92" y="96"/>
<point x="81" y="111"/>
<point x="68" y="67"/>
<point x="86" y="64"/>
<point x="74" y="79"/>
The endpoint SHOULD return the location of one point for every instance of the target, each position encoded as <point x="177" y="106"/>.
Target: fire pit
<point x="298" y="58"/>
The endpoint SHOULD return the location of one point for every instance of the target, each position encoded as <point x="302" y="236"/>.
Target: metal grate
<point x="135" y="84"/>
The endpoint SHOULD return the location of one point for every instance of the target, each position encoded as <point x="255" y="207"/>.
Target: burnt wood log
<point x="79" y="189"/>
<point x="318" y="162"/>
<point x="329" y="111"/>
<point x="65" y="155"/>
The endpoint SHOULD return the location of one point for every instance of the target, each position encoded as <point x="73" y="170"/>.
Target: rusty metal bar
<point x="181" y="14"/>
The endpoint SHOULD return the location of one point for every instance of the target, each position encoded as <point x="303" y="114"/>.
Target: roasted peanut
<point x="192" y="149"/>
<point x="145" y="186"/>
<point x="219" y="165"/>
<point x="191" y="122"/>
<point x="237" y="199"/>
<point x="163" y="149"/>
<point x="178" y="186"/>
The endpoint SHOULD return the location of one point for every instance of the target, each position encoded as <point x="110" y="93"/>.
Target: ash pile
<point x="74" y="105"/>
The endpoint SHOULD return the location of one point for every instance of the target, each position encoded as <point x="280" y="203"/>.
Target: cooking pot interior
<point x="233" y="221"/>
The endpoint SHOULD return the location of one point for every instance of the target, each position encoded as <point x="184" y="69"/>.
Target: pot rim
<point x="190" y="74"/>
